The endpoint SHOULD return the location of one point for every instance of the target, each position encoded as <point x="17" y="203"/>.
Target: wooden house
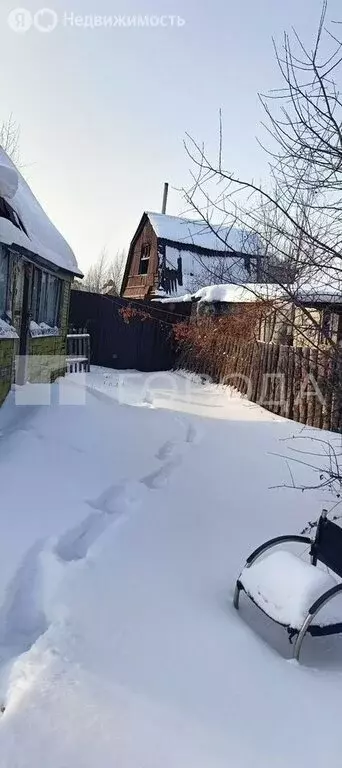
<point x="172" y="256"/>
<point x="36" y="271"/>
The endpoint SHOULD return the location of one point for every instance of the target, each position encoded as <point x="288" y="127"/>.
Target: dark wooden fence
<point x="126" y="334"/>
<point x="300" y="383"/>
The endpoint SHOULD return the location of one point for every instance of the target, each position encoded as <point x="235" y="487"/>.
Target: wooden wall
<point x="140" y="286"/>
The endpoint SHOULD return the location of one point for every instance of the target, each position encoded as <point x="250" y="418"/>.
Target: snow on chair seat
<point x="284" y="587"/>
<point x="298" y="595"/>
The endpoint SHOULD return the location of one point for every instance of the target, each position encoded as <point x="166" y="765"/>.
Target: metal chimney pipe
<point x="165" y="196"/>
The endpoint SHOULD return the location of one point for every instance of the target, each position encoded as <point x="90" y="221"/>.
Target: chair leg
<point x="300" y="637"/>
<point x="237" y="595"/>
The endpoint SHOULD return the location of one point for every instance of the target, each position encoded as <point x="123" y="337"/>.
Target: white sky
<point x="103" y="112"/>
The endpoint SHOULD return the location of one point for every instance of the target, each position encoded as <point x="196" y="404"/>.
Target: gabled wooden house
<point x="171" y="256"/>
<point x="36" y="271"/>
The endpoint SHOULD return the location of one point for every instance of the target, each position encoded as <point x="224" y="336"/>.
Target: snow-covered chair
<point x="294" y="592"/>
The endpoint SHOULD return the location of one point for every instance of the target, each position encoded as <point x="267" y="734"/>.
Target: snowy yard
<point x="124" y="524"/>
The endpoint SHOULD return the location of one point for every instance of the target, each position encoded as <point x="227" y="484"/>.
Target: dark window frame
<point x="5" y="260"/>
<point x="145" y="256"/>
<point x="43" y="282"/>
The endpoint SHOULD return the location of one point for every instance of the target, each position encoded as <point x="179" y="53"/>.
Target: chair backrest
<point x="327" y="547"/>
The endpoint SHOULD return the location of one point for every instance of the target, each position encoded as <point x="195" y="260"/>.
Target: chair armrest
<point x="318" y="604"/>
<point x="273" y="543"/>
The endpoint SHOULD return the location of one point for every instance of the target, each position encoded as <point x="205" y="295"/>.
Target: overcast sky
<point x="103" y="111"/>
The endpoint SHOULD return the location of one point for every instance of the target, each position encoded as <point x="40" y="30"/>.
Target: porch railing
<point x="78" y="352"/>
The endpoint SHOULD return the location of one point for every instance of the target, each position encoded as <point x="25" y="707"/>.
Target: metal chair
<point x="326" y="548"/>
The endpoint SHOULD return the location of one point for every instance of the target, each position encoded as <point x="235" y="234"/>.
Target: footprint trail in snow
<point x="30" y="606"/>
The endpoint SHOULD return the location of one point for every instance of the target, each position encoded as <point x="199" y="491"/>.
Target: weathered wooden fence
<point x="300" y="383"/>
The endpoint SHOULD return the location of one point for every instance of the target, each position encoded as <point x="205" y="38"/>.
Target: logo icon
<point x="45" y="20"/>
<point x="20" y="20"/>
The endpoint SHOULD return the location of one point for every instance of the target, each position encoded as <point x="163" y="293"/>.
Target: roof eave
<point x="181" y="246"/>
<point x="40" y="261"/>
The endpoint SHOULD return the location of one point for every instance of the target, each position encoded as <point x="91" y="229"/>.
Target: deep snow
<point x="124" y="524"/>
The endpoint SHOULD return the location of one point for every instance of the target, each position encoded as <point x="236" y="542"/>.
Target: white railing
<point x="78" y="352"/>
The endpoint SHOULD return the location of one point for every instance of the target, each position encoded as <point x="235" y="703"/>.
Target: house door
<point x="24" y="328"/>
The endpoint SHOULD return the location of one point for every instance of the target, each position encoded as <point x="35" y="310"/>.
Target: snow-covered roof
<point x="321" y="292"/>
<point x="240" y="294"/>
<point x="232" y="293"/>
<point x="42" y="236"/>
<point x="200" y="234"/>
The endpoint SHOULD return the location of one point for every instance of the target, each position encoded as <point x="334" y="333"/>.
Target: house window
<point x="3" y="282"/>
<point x="45" y="298"/>
<point x="144" y="259"/>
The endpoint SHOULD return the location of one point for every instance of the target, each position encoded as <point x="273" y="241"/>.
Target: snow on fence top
<point x="200" y="234"/>
<point x="42" y="237"/>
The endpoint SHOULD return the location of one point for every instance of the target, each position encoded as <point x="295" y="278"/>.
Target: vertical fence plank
<point x="339" y="390"/>
<point x="248" y="367"/>
<point x="259" y="373"/>
<point x="297" y="381"/>
<point x="255" y="365"/>
<point x="328" y="373"/>
<point x="275" y="380"/>
<point x="267" y="396"/>
<point x="290" y="385"/>
<point x="262" y="380"/>
<point x="311" y="394"/>
<point x="336" y="393"/>
<point x="283" y="378"/>
<point x="303" y="402"/>
<point x="320" y="389"/>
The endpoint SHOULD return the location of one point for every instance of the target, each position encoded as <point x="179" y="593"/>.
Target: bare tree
<point x="115" y="273"/>
<point x="297" y="213"/>
<point x="95" y="278"/>
<point x="10" y="139"/>
<point x="105" y="275"/>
